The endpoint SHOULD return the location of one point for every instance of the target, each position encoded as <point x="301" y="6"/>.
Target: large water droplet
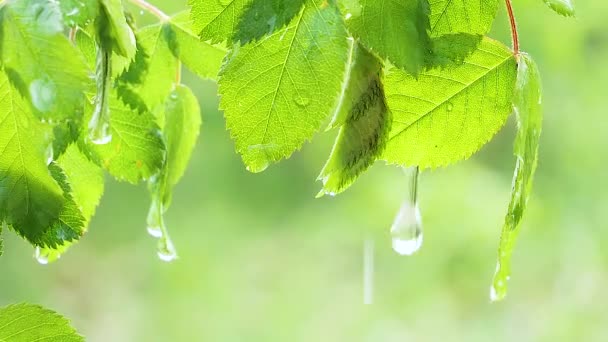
<point x="40" y="256"/>
<point x="42" y="93"/>
<point x="406" y="231"/>
<point x="166" y="250"/>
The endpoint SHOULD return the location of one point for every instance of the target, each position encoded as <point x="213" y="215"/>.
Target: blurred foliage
<point x="262" y="260"/>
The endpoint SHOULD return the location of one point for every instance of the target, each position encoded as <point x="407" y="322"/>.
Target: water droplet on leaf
<point x="49" y="154"/>
<point x="450" y="106"/>
<point x="166" y="250"/>
<point x="302" y="100"/>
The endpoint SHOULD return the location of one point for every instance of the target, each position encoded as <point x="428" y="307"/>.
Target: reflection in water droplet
<point x="41" y="257"/>
<point x="156" y="223"/>
<point x="406" y="231"/>
<point x="450" y="106"/>
<point x="498" y="290"/>
<point x="42" y="94"/>
<point x="348" y="16"/>
<point x="154" y="219"/>
<point x="99" y="130"/>
<point x="302" y="100"/>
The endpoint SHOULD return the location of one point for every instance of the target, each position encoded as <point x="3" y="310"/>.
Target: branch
<point x="155" y="11"/>
<point x="514" y="34"/>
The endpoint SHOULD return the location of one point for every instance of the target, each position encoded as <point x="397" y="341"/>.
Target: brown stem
<point x="514" y="35"/>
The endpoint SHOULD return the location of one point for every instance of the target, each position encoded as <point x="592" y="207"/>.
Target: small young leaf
<point x="527" y="103"/>
<point x="395" y="30"/>
<point x="79" y="12"/>
<point x="114" y="32"/>
<point x="562" y="7"/>
<point x="277" y="92"/>
<point x="182" y="121"/>
<point x="365" y="122"/>
<point x="26" y="322"/>
<point x="36" y="55"/>
<point x="30" y="199"/>
<point x="447" y="114"/>
<point x="136" y="151"/>
<point x="203" y="59"/>
<point x="87" y="185"/>
<point x="216" y="21"/>
<point x="263" y="17"/>
<point x="462" y="16"/>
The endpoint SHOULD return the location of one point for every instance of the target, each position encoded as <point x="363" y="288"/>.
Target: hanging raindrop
<point x="99" y="126"/>
<point x="40" y="256"/>
<point x="406" y="231"/>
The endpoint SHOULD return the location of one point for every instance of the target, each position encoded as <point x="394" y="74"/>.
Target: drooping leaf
<point x="277" y="92"/>
<point x="395" y="30"/>
<point x="114" y="33"/>
<point x="35" y="54"/>
<point x="27" y="322"/>
<point x="562" y="7"/>
<point x="447" y="114"/>
<point x="462" y="16"/>
<point x="202" y="58"/>
<point x="216" y="21"/>
<point x="527" y="102"/>
<point x="30" y="199"/>
<point x="263" y="17"/>
<point x="79" y="12"/>
<point x="365" y="124"/>
<point x="87" y="185"/>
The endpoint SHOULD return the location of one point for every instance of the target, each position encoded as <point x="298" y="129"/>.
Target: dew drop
<point x="348" y="16"/>
<point x="450" y="106"/>
<point x="154" y="220"/>
<point x="42" y="94"/>
<point x="302" y="100"/>
<point x="99" y="131"/>
<point x="40" y="256"/>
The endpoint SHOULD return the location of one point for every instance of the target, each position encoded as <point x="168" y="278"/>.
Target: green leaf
<point x="216" y="21"/>
<point x="466" y="16"/>
<point x="35" y="54"/>
<point x="263" y="17"/>
<point x="562" y="7"/>
<point x="79" y="12"/>
<point x="527" y="102"/>
<point x="114" y="32"/>
<point x="365" y="122"/>
<point x="160" y="67"/>
<point x="136" y="151"/>
<point x="277" y="92"/>
<point x="203" y="59"/>
<point x="27" y="322"/>
<point x="30" y="199"/>
<point x="181" y="128"/>
<point x="395" y="30"/>
<point x="448" y="114"/>
<point x="87" y="185"/>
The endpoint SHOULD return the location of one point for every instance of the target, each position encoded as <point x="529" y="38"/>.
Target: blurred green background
<point x="262" y="260"/>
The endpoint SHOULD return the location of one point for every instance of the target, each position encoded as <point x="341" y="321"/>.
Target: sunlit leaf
<point x="447" y="114"/>
<point x="462" y="16"/>
<point x="216" y="21"/>
<point x="263" y="17"/>
<point x="277" y="92"/>
<point x="26" y="322"/>
<point x="395" y="30"/>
